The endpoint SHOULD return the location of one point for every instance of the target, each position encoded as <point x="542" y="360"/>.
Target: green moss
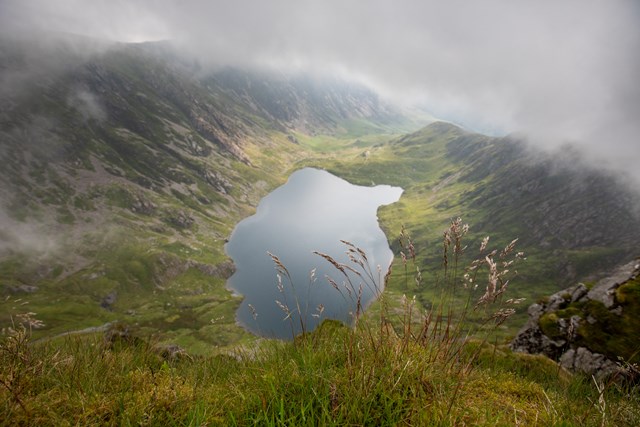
<point x="612" y="334"/>
<point x="549" y="325"/>
<point x="629" y="295"/>
<point x="568" y="312"/>
<point x="601" y="330"/>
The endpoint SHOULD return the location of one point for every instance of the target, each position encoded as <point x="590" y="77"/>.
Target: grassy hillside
<point x="126" y="170"/>
<point x="563" y="217"/>
<point x="400" y="364"/>
<point x="127" y="167"/>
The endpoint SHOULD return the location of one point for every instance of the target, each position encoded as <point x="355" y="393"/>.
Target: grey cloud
<point x="88" y="104"/>
<point x="23" y="237"/>
<point x="558" y="72"/>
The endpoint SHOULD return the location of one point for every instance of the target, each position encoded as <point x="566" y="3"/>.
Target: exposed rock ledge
<point x="558" y="326"/>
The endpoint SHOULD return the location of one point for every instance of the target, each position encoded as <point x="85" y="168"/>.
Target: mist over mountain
<point x="135" y="137"/>
<point x="61" y="104"/>
<point x="556" y="73"/>
<point x="128" y="165"/>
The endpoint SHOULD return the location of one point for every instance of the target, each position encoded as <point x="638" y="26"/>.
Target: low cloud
<point x="87" y="104"/>
<point x="26" y="238"/>
<point x="556" y="72"/>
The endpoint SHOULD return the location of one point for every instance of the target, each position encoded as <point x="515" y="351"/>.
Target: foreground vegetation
<point x="399" y="364"/>
<point x="333" y="376"/>
<point x="123" y="217"/>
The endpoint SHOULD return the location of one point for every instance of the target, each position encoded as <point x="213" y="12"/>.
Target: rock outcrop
<point x="218" y="181"/>
<point x="592" y="331"/>
<point x="108" y="301"/>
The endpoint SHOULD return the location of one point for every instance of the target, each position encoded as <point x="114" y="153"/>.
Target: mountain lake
<point x="312" y="212"/>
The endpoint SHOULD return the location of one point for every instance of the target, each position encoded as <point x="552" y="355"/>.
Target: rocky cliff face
<point x="300" y="102"/>
<point x="593" y="331"/>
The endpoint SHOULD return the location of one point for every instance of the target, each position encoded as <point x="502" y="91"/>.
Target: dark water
<point x="313" y="211"/>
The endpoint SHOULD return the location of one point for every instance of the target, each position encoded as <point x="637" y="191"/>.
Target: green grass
<point x="383" y="372"/>
<point x="333" y="376"/>
<point x="446" y="173"/>
<point x="166" y="293"/>
<point x="434" y="193"/>
<point x="389" y="370"/>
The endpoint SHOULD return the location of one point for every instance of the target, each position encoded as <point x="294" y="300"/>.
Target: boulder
<point x="605" y="289"/>
<point x="584" y="361"/>
<point x="219" y="182"/>
<point x="109" y="300"/>
<point x="556" y="315"/>
<point x="141" y="204"/>
<point x="171" y="352"/>
<point x="27" y="289"/>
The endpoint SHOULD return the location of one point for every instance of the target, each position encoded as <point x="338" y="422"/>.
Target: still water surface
<point x="313" y="211"/>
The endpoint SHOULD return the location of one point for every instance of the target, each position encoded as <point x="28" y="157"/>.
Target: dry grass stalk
<point x="283" y="271"/>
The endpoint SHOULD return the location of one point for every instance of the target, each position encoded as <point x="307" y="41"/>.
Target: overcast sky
<point x="556" y="71"/>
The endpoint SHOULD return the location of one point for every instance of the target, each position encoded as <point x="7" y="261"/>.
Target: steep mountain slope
<point x="127" y="167"/>
<point x="566" y="215"/>
<point x="561" y="203"/>
<point x="303" y="103"/>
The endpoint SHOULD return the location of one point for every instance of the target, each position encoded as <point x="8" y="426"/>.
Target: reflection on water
<point x="313" y="211"/>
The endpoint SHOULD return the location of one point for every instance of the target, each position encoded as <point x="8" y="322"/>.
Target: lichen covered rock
<point x="593" y="331"/>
